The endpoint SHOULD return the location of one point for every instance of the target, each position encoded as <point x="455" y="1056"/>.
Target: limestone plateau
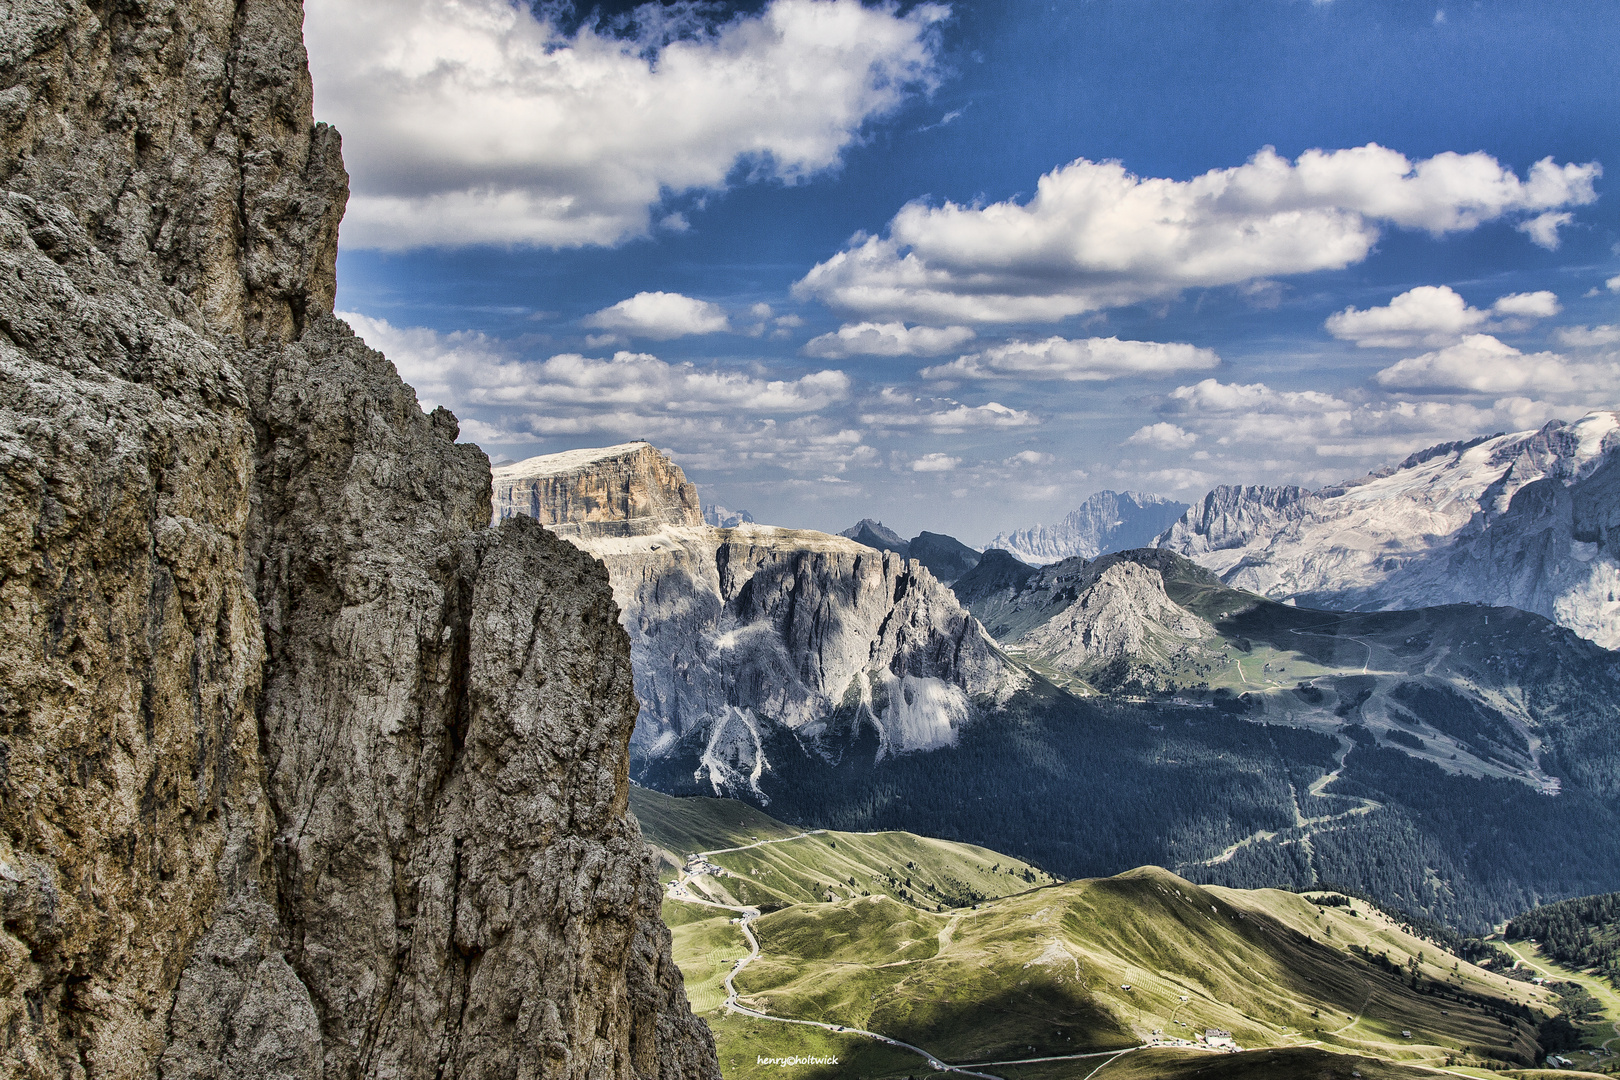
<point x="747" y="637"/>
<point x="305" y="771"/>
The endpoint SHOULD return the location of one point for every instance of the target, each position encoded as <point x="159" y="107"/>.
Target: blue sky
<point x="957" y="267"/>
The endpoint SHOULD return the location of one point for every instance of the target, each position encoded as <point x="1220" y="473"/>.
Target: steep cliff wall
<point x="1514" y="520"/>
<point x="304" y="771"/>
<point x="740" y="636"/>
<point x="625" y="490"/>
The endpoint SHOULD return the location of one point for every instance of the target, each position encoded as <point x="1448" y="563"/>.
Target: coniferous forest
<point x="1089" y="788"/>
<point x="1582" y="933"/>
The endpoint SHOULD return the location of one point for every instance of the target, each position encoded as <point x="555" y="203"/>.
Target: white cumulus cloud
<point x="1329" y="425"/>
<point x="896" y="410"/>
<point x="1588" y="337"/>
<point x="661" y="315"/>
<point x="1096" y="236"/>
<point x="1076" y="360"/>
<point x="472" y="371"/>
<point x="1531" y="305"/>
<point x="935" y="463"/>
<point x="1028" y="457"/>
<point x="1435" y="315"/>
<point x="1480" y="363"/>
<point x="1163" y="436"/>
<point x="887" y="339"/>
<point x="717" y="421"/>
<point x="474" y="121"/>
<point x="1543" y="228"/>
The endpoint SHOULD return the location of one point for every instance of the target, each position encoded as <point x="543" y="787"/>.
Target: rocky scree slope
<point x="746" y="635"/>
<point x="304" y="771"/>
<point x="1107" y="620"/>
<point x="1526" y="520"/>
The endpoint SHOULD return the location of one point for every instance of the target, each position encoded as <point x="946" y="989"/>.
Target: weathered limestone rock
<point x="625" y="490"/>
<point x="304" y="771"/>
<point x="741" y="634"/>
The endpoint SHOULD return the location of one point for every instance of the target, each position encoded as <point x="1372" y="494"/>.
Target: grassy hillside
<point x="676" y="828"/>
<point x="777" y="865"/>
<point x="1043" y="970"/>
<point x="1045" y="973"/>
<point x="1583" y="933"/>
<point x="1591" y="1006"/>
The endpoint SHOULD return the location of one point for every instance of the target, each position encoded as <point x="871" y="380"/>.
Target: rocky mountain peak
<point x="625" y="490"/>
<point x="874" y="534"/>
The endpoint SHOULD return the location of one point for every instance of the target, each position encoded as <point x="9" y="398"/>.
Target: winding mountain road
<point x="678" y="891"/>
<point x="1593" y="986"/>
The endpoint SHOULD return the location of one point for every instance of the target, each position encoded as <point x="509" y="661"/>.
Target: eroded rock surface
<point x="304" y="771"/>
<point x="744" y="636"/>
<point x="625" y="490"/>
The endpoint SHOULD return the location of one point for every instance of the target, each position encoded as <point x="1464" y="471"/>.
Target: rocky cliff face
<point x="1519" y="520"/>
<point x="746" y="635"/>
<point x="625" y="490"/>
<point x="1107" y="521"/>
<point x="304" y="771"/>
<point x="1109" y="621"/>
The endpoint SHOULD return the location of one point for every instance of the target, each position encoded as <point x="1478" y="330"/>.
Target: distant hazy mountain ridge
<point x="1107" y="521"/>
<point x="722" y="517"/>
<point x="946" y="557"/>
<point x="1528" y="520"/>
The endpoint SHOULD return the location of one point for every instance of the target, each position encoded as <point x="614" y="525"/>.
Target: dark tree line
<point x="1582" y="933"/>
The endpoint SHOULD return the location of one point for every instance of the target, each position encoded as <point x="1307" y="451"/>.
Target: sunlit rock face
<point x="625" y="490"/>
<point x="305" y="771"/>
<point x="743" y="635"/>
<point x="1526" y="520"/>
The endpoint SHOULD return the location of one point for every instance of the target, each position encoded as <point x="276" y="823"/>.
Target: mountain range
<point x="946" y="557"/>
<point x="1457" y="761"/>
<point x="1526" y="520"/>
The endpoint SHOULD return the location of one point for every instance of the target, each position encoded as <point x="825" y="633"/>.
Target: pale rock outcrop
<point x="742" y="635"/>
<point x="304" y="771"/>
<point x="1521" y="520"/>
<point x="1116" y="615"/>
<point x="625" y="490"/>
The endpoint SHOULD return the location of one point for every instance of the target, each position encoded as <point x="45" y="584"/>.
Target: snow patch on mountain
<point x="1521" y="520"/>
